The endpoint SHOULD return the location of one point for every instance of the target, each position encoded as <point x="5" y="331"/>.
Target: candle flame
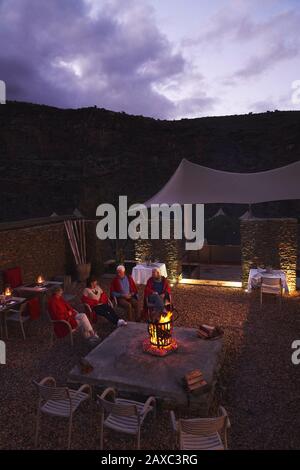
<point x="40" y="279"/>
<point x="7" y="292"/>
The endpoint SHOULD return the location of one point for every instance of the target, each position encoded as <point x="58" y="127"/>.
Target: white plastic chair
<point x="16" y="316"/>
<point x="123" y="415"/>
<point x="59" y="401"/>
<point x="201" y="433"/>
<point x="273" y="286"/>
<point x="71" y="330"/>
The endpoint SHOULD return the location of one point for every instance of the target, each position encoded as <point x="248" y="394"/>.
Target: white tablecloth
<point x="255" y="276"/>
<point x="141" y="272"/>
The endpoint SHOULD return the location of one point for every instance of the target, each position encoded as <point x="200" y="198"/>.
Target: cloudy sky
<point x="161" y="58"/>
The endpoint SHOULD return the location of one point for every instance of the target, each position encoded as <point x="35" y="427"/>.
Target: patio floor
<point x="258" y="385"/>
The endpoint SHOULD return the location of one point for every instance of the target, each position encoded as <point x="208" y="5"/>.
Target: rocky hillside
<point x="55" y="160"/>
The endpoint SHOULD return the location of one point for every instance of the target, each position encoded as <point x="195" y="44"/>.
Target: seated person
<point x="157" y="291"/>
<point x="94" y="296"/>
<point x="59" y="309"/>
<point x="123" y="288"/>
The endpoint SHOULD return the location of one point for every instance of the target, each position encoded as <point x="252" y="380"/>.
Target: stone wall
<point x="36" y="249"/>
<point x="43" y="248"/>
<point x="166" y="251"/>
<point x="270" y="242"/>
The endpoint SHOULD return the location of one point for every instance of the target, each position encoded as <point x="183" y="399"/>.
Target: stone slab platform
<point x="120" y="362"/>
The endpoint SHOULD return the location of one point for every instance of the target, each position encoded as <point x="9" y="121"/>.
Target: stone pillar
<point x="270" y="242"/>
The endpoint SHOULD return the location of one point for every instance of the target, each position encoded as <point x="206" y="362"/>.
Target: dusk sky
<point x="163" y="58"/>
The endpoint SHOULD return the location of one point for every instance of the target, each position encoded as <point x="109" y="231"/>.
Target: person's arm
<point x="66" y="305"/>
<point x="132" y="287"/>
<point x="167" y="288"/>
<point x="60" y="310"/>
<point x="89" y="301"/>
<point x="116" y="294"/>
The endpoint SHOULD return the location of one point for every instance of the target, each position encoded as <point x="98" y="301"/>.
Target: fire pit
<point x="160" y="341"/>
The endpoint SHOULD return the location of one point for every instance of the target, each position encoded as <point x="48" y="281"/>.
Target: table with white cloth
<point x="256" y="274"/>
<point x="142" y="272"/>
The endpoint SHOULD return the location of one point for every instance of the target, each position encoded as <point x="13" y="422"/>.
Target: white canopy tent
<point x="192" y="184"/>
<point x="247" y="215"/>
<point x="219" y="213"/>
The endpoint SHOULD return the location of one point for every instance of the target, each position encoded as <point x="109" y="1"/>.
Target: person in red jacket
<point x="124" y="290"/>
<point x="157" y="292"/>
<point x="96" y="298"/>
<point x="59" y="309"/>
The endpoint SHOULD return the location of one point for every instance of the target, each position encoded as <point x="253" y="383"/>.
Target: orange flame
<point x="7" y="292"/>
<point x="40" y="279"/>
<point x="153" y="330"/>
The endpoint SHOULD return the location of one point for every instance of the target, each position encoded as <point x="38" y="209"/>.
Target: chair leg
<point x="37" y="428"/>
<point x="138" y="440"/>
<point x="72" y="340"/>
<point x="70" y="431"/>
<point x="225" y="439"/>
<point x="101" y="431"/>
<point x="22" y="328"/>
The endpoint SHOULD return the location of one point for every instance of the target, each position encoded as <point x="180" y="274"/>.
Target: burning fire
<point x="160" y="341"/>
<point x="164" y="320"/>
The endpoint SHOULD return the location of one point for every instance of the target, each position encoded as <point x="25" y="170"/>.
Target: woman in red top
<point x="157" y="292"/>
<point x="59" y="309"/>
<point x="96" y="298"/>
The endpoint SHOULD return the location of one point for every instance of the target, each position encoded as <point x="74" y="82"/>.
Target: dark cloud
<point x="54" y="52"/>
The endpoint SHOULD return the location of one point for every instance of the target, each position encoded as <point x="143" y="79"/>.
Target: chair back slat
<point x="52" y="393"/>
<point x="202" y="426"/>
<point x="271" y="281"/>
<point x="118" y="409"/>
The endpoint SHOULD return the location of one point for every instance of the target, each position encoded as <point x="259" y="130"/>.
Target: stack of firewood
<point x="209" y="332"/>
<point x="194" y="380"/>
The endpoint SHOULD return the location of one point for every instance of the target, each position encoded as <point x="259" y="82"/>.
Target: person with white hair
<point x="124" y="290"/>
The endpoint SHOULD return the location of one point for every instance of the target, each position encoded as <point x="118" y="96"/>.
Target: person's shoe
<point x="94" y="339"/>
<point x="121" y="322"/>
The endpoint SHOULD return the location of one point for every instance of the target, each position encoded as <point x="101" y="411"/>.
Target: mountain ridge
<point x="53" y="159"/>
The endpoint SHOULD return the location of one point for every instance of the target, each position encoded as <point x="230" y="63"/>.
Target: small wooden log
<point x="194" y="380"/>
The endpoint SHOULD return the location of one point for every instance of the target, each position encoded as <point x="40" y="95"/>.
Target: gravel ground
<point x="258" y="384"/>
